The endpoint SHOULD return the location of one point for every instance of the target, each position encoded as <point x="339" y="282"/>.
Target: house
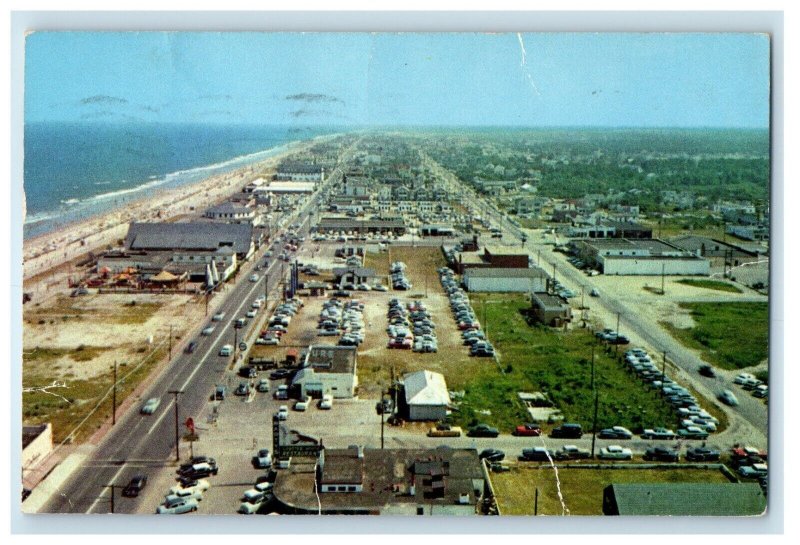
<point x="550" y="309"/>
<point x="684" y="499"/>
<point x="426" y="396"/>
<point x="353" y="275"/>
<point x="328" y="369"/>
<point x="503" y="279"/>
<point x="371" y="481"/>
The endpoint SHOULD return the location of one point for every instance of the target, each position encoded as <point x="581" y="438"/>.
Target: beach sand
<point x="47" y="257"/>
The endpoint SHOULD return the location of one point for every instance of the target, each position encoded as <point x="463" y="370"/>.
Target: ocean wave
<point x="70" y="201"/>
<point x="103" y="183"/>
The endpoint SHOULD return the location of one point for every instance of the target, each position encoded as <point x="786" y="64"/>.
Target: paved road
<point x="138" y="442"/>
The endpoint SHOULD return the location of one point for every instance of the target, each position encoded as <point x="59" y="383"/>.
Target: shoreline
<point x="48" y="251"/>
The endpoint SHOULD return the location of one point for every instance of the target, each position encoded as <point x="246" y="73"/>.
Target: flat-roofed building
<point x="550" y="309"/>
<point x="501" y="279"/>
<point x="684" y="499"/>
<point x="231" y="213"/>
<point x="328" y="369"/>
<point x="641" y="257"/>
<point x="191" y="237"/>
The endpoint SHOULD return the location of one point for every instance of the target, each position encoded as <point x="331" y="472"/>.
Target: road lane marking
<point x="114" y="478"/>
<point x="160" y="418"/>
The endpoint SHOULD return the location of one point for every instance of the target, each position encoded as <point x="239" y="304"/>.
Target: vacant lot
<point x="70" y="346"/>
<point x="729" y="335"/>
<point x="581" y="489"/>
<point x="534" y="358"/>
<point x="710" y="284"/>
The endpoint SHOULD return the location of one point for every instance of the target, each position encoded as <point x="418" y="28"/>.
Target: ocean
<point x="73" y="171"/>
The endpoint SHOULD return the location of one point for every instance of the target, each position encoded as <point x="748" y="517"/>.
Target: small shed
<point x="550" y="309"/>
<point x="426" y="395"/>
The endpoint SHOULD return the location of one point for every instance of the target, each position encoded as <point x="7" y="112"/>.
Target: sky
<point x="529" y="79"/>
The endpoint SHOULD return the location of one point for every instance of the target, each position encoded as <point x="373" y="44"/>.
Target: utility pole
<point x="594" y="422"/>
<point x="176" y="393"/>
<point x="170" y="342"/>
<point x="616" y="345"/>
<point x="662" y="279"/>
<point x="114" y="399"/>
<point x="593" y="366"/>
<point x="112" y="487"/>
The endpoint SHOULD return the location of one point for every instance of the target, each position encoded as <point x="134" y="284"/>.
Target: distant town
<point x="476" y="322"/>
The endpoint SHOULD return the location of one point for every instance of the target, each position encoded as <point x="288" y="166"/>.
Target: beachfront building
<point x="300" y="172"/>
<point x="191" y="237"/>
<point x="232" y="213"/>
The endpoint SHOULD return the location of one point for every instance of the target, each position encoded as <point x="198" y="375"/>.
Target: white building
<point x="328" y="370"/>
<point x="501" y="279"/>
<point x="231" y="212"/>
<point x="426" y="395"/>
<point x="646" y="257"/>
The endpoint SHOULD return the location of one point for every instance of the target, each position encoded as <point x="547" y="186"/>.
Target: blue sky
<point x="638" y="80"/>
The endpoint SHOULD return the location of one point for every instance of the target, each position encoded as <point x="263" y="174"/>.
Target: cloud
<point x="310" y="98"/>
<point x="103" y="99"/>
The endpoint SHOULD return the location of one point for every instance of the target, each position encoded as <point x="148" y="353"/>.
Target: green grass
<point x="729" y="335"/>
<point x="582" y="489"/>
<point x="67" y="406"/>
<point x="710" y="284"/>
<point x="536" y="358"/>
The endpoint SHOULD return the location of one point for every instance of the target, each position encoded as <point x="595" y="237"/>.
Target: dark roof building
<point x="684" y="499"/>
<point x="193" y="236"/>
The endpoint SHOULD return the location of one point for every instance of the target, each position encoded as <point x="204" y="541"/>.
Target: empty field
<point x="581" y="489"/>
<point x="729" y="335"/>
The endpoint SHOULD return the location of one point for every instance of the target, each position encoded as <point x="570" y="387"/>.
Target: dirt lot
<point x="55" y="350"/>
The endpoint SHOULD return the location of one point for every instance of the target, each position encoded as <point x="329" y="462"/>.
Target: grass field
<point x="729" y="335"/>
<point x="582" y="489"/>
<point x="66" y="406"/>
<point x="710" y="284"/>
<point x="536" y="358"/>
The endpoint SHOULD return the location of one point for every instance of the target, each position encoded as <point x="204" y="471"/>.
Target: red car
<point x="528" y="430"/>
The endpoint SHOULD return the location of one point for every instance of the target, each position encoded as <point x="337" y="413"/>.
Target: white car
<point x="150" y="406"/>
<point x="226" y="350"/>
<point x="326" y="402"/>
<point x="254" y="277"/>
<point x="218" y="317"/>
<point x="283" y="412"/>
<point x="177" y="507"/>
<point x="252" y="313"/>
<point x="741" y="378"/>
<point x="200" y="485"/>
<point x="250" y="508"/>
<point x="184" y="493"/>
<point x="615" y="452"/>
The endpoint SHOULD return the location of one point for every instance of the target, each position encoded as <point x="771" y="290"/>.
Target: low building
<point x="426" y="396"/>
<point x="641" y="257"/>
<point x="505" y="256"/>
<point x="550" y="309"/>
<point x="436" y="230"/>
<point x="328" y="369"/>
<point x="231" y="212"/>
<point x="748" y="232"/>
<point x="718" y="252"/>
<point x="329" y="225"/>
<point x="37" y="444"/>
<point x="300" y="172"/>
<point x="495" y="279"/>
<point x="684" y="499"/>
<point x="353" y="275"/>
<point x="368" y="481"/>
<point x="191" y="237"/>
<point x="283" y="187"/>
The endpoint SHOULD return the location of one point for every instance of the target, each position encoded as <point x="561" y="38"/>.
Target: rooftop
<point x="687" y="499"/>
<point x="549" y="301"/>
<point x="497" y="249"/>
<point x="426" y="388"/>
<point x="503" y="272"/>
<point x="189" y="236"/>
<point x="331" y="359"/>
<point x="654" y="245"/>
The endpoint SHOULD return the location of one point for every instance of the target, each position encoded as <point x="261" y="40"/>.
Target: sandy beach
<point x="50" y="251"/>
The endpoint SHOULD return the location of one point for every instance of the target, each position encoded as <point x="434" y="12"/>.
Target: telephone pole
<point x="594" y="422"/>
<point x="170" y="342"/>
<point x="176" y="393"/>
<point x="112" y="487"/>
<point x="114" y="399"/>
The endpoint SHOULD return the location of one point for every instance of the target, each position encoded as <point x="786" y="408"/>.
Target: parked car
<point x="701" y="454"/>
<point x="199" y="471"/>
<point x="741" y="378"/>
<point x="219" y="393"/>
<point x="658" y="433"/>
<point x="226" y="350"/>
<point x="528" y="430"/>
<point x="263" y="459"/>
<point x="136" y="484"/>
<point x="243" y="389"/>
<point x="572" y="452"/>
<point x="537" y="454"/>
<point x="177" y="507"/>
<point x="661" y="454"/>
<point x="263" y="385"/>
<point x="692" y="432"/>
<point x="492" y="455"/>
<point x="567" y="431"/>
<point x="326" y="402"/>
<point x="753" y="471"/>
<point x="150" y="406"/>
<point x="616" y="432"/>
<point x="483" y="430"/>
<point x="615" y="452"/>
<point x="247" y="371"/>
<point x="190" y="485"/>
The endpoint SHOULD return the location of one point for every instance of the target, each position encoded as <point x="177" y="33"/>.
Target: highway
<point x="138" y="442"/>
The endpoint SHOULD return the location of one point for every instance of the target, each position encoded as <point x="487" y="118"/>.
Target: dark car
<point x="567" y="431"/>
<point x="617" y="432"/>
<point x="190" y="347"/>
<point x="199" y="460"/>
<point x="279" y="374"/>
<point x="135" y="486"/>
<point x="707" y="371"/>
<point x="702" y="454"/>
<point x="537" y="454"/>
<point x="243" y="389"/>
<point x="198" y="471"/>
<point x="483" y="430"/>
<point x="341" y="293"/>
<point x="661" y="454"/>
<point x="492" y="455"/>
<point x="219" y="393"/>
<point x="248" y="372"/>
